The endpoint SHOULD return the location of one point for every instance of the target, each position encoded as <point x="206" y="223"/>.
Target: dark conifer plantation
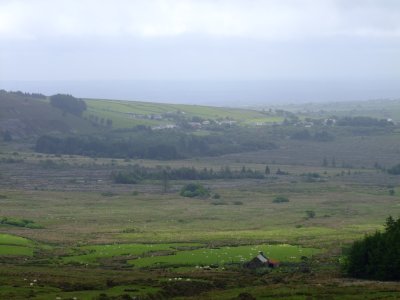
<point x="377" y="256"/>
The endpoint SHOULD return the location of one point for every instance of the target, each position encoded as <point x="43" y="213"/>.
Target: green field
<point x="108" y="251"/>
<point x="15" y="245"/>
<point x="7" y="239"/>
<point x="225" y="255"/>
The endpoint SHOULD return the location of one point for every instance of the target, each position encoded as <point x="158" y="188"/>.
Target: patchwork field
<point x="130" y="113"/>
<point x="15" y="246"/>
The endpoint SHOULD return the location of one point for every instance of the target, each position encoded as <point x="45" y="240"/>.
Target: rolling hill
<point x="23" y="115"/>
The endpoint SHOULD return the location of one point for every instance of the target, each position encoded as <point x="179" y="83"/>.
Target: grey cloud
<point x="200" y="39"/>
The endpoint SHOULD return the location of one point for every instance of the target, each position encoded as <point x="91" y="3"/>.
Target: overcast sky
<point x="200" y="39"/>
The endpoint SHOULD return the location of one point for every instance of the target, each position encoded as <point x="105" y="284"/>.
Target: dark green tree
<point x="376" y="256"/>
<point x="194" y="190"/>
<point x="7" y="137"/>
<point x="165" y="181"/>
<point x="267" y="170"/>
<point x="68" y="104"/>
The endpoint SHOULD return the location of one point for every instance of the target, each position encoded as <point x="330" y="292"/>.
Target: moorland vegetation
<point x="135" y="200"/>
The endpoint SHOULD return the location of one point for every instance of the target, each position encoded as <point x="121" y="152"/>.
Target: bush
<point x="376" y="256"/>
<point x="280" y="199"/>
<point x="237" y="203"/>
<point x="20" y="223"/>
<point x="310" y="214"/>
<point x="194" y="190"/>
<point x="395" y="170"/>
<point x="280" y="172"/>
<point x="219" y="202"/>
<point x="108" y="194"/>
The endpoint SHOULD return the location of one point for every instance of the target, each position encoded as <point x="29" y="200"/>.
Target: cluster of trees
<point x="22" y="94"/>
<point x="103" y="147"/>
<point x="377" y="256"/>
<point x="6" y="135"/>
<point x="138" y="173"/>
<point x="153" y="144"/>
<point x="96" y="120"/>
<point x="194" y="190"/>
<point x="19" y="223"/>
<point x="68" y="104"/>
<point x="280" y="199"/>
<point x="321" y="136"/>
<point x="395" y="170"/>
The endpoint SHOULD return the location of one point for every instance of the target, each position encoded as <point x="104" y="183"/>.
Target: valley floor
<point x="69" y="232"/>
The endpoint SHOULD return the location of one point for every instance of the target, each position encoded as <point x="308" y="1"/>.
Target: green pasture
<point x="8" y="239"/>
<point x="15" y="245"/>
<point x="225" y="255"/>
<point x="96" y="252"/>
<point x="308" y="236"/>
<point x="15" y="250"/>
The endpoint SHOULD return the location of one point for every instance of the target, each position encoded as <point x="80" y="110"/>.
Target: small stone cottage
<point x="261" y="261"/>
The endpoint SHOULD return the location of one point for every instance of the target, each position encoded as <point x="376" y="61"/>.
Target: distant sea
<point x="218" y="93"/>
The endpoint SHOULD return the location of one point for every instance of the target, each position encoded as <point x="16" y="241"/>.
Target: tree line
<point x="153" y="144"/>
<point x="138" y="173"/>
<point x="22" y="94"/>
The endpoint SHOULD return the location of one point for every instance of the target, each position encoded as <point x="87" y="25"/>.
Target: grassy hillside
<point x="131" y="113"/>
<point x="23" y="115"/>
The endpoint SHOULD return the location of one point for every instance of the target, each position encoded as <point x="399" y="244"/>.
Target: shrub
<point x="194" y="190"/>
<point x="310" y="214"/>
<point x="108" y="194"/>
<point x="280" y="199"/>
<point x="219" y="202"/>
<point x="395" y="170"/>
<point x="280" y="172"/>
<point x="237" y="203"/>
<point x="20" y="223"/>
<point x="125" y="178"/>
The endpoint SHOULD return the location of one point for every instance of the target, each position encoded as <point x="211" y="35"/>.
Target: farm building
<point x="261" y="261"/>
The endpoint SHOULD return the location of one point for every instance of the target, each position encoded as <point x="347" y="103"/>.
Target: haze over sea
<point x="219" y="93"/>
